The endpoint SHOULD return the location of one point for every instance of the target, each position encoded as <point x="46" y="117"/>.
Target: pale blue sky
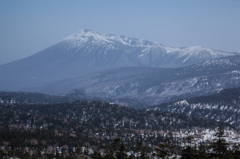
<point x="28" y="27"/>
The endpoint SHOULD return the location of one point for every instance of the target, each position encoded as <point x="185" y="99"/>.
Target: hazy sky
<point x="27" y="26"/>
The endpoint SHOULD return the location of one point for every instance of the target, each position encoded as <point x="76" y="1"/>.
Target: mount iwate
<point x="84" y="54"/>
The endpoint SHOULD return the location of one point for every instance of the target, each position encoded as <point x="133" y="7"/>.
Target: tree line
<point x="218" y="148"/>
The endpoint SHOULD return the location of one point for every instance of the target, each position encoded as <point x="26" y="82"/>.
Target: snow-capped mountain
<point x="155" y="85"/>
<point x="87" y="51"/>
<point x="137" y="52"/>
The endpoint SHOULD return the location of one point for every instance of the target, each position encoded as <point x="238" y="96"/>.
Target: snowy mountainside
<point x="223" y="106"/>
<point x="155" y="85"/>
<point x="87" y="51"/>
<point x="145" y="53"/>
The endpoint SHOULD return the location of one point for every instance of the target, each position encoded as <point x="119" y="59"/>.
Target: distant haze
<point x="28" y="27"/>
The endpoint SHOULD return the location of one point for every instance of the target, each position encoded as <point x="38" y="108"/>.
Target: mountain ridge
<point x="88" y="52"/>
<point x="154" y="85"/>
<point x="222" y="106"/>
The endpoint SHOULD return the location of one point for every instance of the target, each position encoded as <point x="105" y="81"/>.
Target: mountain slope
<point x="155" y="85"/>
<point x="88" y="51"/>
<point x="223" y="106"/>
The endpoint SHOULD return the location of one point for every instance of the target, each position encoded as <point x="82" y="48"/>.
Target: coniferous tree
<point x="109" y="155"/>
<point x="202" y="152"/>
<point x="236" y="151"/>
<point x="164" y="149"/>
<point x="78" y="153"/>
<point x="121" y="152"/>
<point x="189" y="152"/>
<point x="117" y="150"/>
<point x="97" y="155"/>
<point x="219" y="145"/>
<point x="142" y="150"/>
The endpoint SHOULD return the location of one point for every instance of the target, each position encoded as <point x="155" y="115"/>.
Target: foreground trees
<point x="218" y="148"/>
<point x="164" y="150"/>
<point x="76" y="130"/>
<point x="219" y="145"/>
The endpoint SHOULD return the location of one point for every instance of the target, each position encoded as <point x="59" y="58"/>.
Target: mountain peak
<point x="86" y="32"/>
<point x="84" y="35"/>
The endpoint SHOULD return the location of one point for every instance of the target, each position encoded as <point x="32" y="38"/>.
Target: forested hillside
<point x="59" y="129"/>
<point x="223" y="106"/>
<point x="9" y="98"/>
